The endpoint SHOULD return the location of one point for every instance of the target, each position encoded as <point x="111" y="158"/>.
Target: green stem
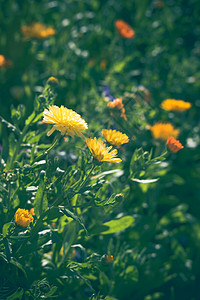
<point x="61" y="199"/>
<point x="87" y="176"/>
<point x="17" y="148"/>
<point x="55" y="142"/>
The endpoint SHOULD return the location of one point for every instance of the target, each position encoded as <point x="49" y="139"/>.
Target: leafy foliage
<point x="143" y="213"/>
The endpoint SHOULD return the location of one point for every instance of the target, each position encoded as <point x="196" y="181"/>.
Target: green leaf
<point x="17" y="114"/>
<point x="51" y="292"/>
<point x="12" y="144"/>
<point x="17" y="295"/>
<point x="113" y="226"/>
<point x="53" y="213"/>
<point x="6" y="228"/>
<point x="19" y="266"/>
<point x="41" y="201"/>
<point x="131" y="272"/>
<point x="76" y="218"/>
<point x="9" y="125"/>
<point x="119" y="224"/>
<point x="8" y="248"/>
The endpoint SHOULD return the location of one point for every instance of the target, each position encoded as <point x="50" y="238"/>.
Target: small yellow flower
<point x="115" y="137"/>
<point x="175" y="105"/>
<point x="23" y="217"/>
<point x="163" y="131"/>
<point x="101" y="152"/>
<point x="52" y="80"/>
<point x="65" y="120"/>
<point x="37" y="30"/>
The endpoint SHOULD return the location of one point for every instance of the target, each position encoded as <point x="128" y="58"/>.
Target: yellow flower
<point x="65" y="120"/>
<point x="23" y="217"/>
<point x="163" y="131"/>
<point x="115" y="137"/>
<point x="175" y="105"/>
<point x="37" y="30"/>
<point x="52" y="80"/>
<point x="101" y="152"/>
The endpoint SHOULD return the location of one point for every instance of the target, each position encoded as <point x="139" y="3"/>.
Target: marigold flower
<point x="109" y="258"/>
<point x="100" y="152"/>
<point x="117" y="103"/>
<point x="173" y="144"/>
<point x="37" y="30"/>
<point x="175" y="105"/>
<point x="124" y="29"/>
<point x="115" y="137"/>
<point x="32" y="211"/>
<point x="65" y="120"/>
<point x="5" y="62"/>
<point x="2" y="60"/>
<point x="23" y="217"/>
<point x="52" y="80"/>
<point x="163" y="131"/>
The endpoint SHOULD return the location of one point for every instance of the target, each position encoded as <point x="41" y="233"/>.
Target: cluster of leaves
<point x="143" y="212"/>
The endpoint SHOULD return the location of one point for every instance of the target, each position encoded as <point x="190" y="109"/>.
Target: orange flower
<point x="32" y="211"/>
<point x="109" y="258"/>
<point x="117" y="103"/>
<point x="175" y="105"/>
<point x="173" y="144"/>
<point x="5" y="62"/>
<point x="23" y="217"/>
<point x="37" y="31"/>
<point x="163" y="130"/>
<point x="124" y="29"/>
<point x="2" y="60"/>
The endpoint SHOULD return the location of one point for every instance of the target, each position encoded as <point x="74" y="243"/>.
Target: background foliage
<point x="153" y="229"/>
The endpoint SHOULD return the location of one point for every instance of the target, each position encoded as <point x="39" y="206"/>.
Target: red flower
<point x="124" y="29"/>
<point x="173" y="145"/>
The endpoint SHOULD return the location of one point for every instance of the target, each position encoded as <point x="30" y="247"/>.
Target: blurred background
<point x="86" y="53"/>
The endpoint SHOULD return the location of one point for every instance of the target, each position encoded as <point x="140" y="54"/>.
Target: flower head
<point x="117" y="103"/>
<point x="65" y="120"/>
<point x="175" y="105"/>
<point x="32" y="211"/>
<point x="101" y="152"/>
<point x="124" y="29"/>
<point x="52" y="80"/>
<point x="5" y="62"/>
<point x="109" y="258"/>
<point x="37" y="30"/>
<point x="173" y="145"/>
<point x="2" y="60"/>
<point x="115" y="137"/>
<point x="23" y="217"/>
<point x="163" y="130"/>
